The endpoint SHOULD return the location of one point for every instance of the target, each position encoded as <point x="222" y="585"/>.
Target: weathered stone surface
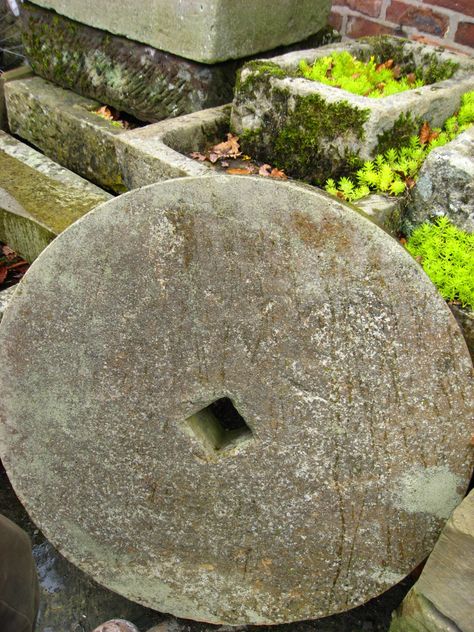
<point x="63" y="125"/>
<point x="210" y="31"/>
<point x="5" y="297"/>
<point x="161" y="151"/>
<point x="445" y="184"/>
<point x="38" y="198"/>
<point x="143" y="81"/>
<point x="442" y="600"/>
<point x="16" y="73"/>
<point x="465" y="318"/>
<point x="348" y="370"/>
<point x="314" y="131"/>
<point x="72" y="602"/>
<point x="383" y="210"/>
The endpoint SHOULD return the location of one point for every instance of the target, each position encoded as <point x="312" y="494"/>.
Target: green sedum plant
<point x="447" y="256"/>
<point x="397" y="169"/>
<point x="370" y="79"/>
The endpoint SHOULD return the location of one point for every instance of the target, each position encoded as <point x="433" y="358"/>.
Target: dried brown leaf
<point x="239" y="172"/>
<point x="265" y="171"/>
<point x="198" y="156"/>
<point x="277" y="173"/>
<point x="230" y="148"/>
<point x="105" y="112"/>
<point x="3" y="273"/>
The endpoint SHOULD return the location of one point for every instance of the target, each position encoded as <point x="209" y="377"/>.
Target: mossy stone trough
<point x="315" y="131"/>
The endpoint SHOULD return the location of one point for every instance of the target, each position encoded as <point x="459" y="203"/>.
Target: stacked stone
<point x="159" y="58"/>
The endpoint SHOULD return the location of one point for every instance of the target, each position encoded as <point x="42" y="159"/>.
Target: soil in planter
<point x="226" y="157"/>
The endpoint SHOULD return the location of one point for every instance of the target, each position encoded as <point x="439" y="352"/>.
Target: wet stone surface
<point x="347" y="368"/>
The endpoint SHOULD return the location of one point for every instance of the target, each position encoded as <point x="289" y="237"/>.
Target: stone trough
<point x="240" y="401"/>
<point x="317" y="131"/>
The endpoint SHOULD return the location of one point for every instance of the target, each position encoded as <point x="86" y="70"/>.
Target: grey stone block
<point x="341" y="446"/>
<point x="445" y="184"/>
<point x="315" y="131"/>
<point x="442" y="600"/>
<point x="63" y="125"/>
<point x="209" y="31"/>
<point x="38" y="198"/>
<point x="16" y="73"/>
<point x="143" y="81"/>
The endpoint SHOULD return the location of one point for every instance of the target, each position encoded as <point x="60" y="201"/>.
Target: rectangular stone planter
<point x="315" y="131"/>
<point x="138" y="157"/>
<point x="207" y="31"/>
<point x="38" y="198"/>
<point x="64" y="126"/>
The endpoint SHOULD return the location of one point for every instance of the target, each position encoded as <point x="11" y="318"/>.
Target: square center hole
<point x="219" y="426"/>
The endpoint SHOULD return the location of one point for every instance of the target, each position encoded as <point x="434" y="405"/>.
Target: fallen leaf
<point x="198" y="156"/>
<point x="8" y="252"/>
<point x="411" y="78"/>
<point x="239" y="172"/>
<point x="265" y="171"/>
<point x="403" y="241"/>
<point x="410" y="182"/>
<point x="105" y="112"/>
<point x="425" y="132"/>
<point x="384" y="65"/>
<point x="230" y="148"/>
<point x="3" y="273"/>
<point x="276" y="173"/>
<point x="213" y="157"/>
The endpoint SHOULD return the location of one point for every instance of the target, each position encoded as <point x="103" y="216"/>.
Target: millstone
<point x="235" y="400"/>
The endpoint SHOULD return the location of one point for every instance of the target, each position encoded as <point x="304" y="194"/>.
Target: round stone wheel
<point x="235" y="400"/>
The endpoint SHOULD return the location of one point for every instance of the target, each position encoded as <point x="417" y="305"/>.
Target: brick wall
<point x="447" y="23"/>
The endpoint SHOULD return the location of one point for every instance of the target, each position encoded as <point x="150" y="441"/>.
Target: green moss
<point x="403" y="129"/>
<point x="48" y="201"/>
<point x="257" y="68"/>
<point x="305" y="144"/>
<point x="433" y="70"/>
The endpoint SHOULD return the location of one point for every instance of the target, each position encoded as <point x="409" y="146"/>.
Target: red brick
<point x="368" y="7"/>
<point x="358" y="27"/>
<point x="461" y="6"/>
<point x="335" y="20"/>
<point x="421" y="18"/>
<point x="465" y="34"/>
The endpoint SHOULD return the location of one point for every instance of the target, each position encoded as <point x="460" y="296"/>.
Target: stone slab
<point x="442" y="600"/>
<point x="349" y="373"/>
<point x="208" y="31"/>
<point x="63" y="125"/>
<point x="445" y="184"/>
<point x="315" y="131"/>
<point x="143" y="81"/>
<point x="38" y="198"/>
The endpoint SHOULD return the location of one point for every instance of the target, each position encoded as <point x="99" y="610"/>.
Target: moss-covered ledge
<point x="38" y="199"/>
